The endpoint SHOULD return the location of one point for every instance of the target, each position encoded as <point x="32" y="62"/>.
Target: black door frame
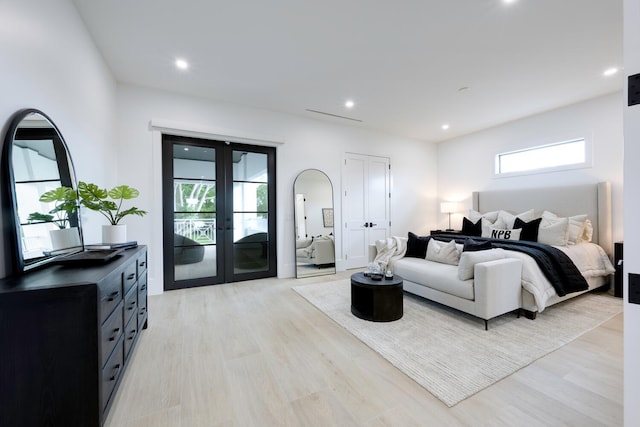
<point x="224" y="212"/>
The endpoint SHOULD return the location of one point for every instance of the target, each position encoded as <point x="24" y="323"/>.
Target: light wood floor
<point x="258" y="354"/>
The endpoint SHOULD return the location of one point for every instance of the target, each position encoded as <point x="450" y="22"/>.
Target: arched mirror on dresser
<point x="314" y="227"/>
<point x="40" y="213"/>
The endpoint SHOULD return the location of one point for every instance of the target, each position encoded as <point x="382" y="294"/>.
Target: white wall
<point x="301" y="144"/>
<point x="49" y="62"/>
<point x="631" y="215"/>
<point x="466" y="164"/>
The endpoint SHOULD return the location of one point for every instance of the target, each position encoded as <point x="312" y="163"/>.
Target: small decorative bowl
<point x="376" y="276"/>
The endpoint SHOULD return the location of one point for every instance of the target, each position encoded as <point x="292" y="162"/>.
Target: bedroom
<point x="77" y="89"/>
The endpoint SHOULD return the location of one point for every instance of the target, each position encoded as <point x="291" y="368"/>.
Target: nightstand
<point x="432" y="232"/>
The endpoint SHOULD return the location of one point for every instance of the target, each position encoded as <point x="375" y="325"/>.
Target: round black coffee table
<point x="376" y="300"/>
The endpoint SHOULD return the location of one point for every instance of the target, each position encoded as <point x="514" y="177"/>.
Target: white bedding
<point x="590" y="259"/>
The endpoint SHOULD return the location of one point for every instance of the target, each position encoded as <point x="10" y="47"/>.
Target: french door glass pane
<point x="194" y="212"/>
<point x="251" y="243"/>
<point x="250" y="212"/>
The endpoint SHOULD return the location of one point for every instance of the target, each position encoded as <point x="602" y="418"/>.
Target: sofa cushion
<point x="416" y="246"/>
<point x="468" y="261"/>
<point x="434" y="275"/>
<point x="471" y="245"/>
<point x="444" y="252"/>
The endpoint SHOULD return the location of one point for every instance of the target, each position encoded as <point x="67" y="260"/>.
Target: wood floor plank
<point x="257" y="354"/>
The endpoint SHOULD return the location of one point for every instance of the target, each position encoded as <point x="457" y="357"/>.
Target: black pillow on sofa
<point x="471" y="245"/>
<point x="471" y="229"/>
<point x="417" y="246"/>
<point x="529" y="229"/>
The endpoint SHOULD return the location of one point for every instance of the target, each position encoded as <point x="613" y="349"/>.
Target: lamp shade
<point x="449" y="207"/>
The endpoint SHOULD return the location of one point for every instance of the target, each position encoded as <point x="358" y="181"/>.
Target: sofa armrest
<point x="497" y="287"/>
<point x="373" y="251"/>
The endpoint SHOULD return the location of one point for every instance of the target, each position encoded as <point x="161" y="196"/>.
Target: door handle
<point x="372" y="224"/>
<point x="366" y="224"/>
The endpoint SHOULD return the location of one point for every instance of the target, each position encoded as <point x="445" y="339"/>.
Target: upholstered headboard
<point x="591" y="199"/>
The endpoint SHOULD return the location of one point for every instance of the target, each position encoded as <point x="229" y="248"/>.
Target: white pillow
<point x="444" y="252"/>
<point x="468" y="261"/>
<point x="587" y="234"/>
<point x="554" y="232"/>
<point x="507" y="219"/>
<point x="475" y="216"/>
<point x="486" y="227"/>
<point x="502" y="233"/>
<point x="577" y="225"/>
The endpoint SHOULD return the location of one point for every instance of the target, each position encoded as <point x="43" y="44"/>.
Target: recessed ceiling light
<point x="610" y="71"/>
<point x="182" y="64"/>
<point x="508" y="1"/>
<point x="445" y="126"/>
<point x="349" y="104"/>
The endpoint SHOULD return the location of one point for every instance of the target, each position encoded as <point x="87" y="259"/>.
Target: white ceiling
<point x="403" y="62"/>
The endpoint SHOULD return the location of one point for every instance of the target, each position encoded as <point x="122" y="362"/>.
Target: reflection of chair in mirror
<point x="318" y="251"/>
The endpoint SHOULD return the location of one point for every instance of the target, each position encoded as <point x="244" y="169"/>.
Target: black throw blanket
<point x="558" y="268"/>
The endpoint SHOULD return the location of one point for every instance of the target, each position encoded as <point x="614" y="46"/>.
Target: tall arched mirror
<point x="39" y="204"/>
<point x="313" y="219"/>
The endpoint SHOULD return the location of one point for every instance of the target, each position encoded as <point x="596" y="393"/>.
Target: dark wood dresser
<point x="66" y="336"/>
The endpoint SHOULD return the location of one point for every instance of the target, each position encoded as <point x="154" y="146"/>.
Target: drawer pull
<point x="112" y="296"/>
<point x="131" y="276"/>
<point x="132" y="335"/>
<point x="131" y="306"/>
<point x="142" y="311"/>
<point x="142" y="263"/>
<point x="116" y="371"/>
<point x="116" y="332"/>
<point x="143" y="287"/>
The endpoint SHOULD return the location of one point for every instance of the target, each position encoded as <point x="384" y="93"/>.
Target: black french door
<point x="219" y="222"/>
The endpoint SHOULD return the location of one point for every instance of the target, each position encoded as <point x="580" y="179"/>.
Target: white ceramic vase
<point x="114" y="233"/>
<point x="65" y="238"/>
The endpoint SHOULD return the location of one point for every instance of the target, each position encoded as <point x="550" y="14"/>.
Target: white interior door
<point x="366" y="192"/>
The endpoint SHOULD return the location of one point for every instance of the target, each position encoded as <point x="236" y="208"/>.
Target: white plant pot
<point x="114" y="233"/>
<point x="65" y="238"/>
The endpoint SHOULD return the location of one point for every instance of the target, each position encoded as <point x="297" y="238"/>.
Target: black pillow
<point x="417" y="246"/>
<point x="529" y="229"/>
<point x="471" y="229"/>
<point x="471" y="245"/>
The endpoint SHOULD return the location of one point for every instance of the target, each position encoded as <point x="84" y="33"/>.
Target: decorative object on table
<point x="327" y="217"/>
<point x="65" y="201"/>
<point x="96" y="199"/>
<point x="449" y="208"/>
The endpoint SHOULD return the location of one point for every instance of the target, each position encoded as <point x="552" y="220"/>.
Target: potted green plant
<point x="109" y="204"/>
<point x="65" y="201"/>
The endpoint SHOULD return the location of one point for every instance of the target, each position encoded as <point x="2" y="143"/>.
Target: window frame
<point x="587" y="163"/>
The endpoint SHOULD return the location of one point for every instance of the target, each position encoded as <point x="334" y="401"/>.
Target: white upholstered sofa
<point x="494" y="289"/>
<point x="316" y="250"/>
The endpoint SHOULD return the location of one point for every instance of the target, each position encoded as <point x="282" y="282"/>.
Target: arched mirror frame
<point x="16" y="262"/>
<point x="318" y="267"/>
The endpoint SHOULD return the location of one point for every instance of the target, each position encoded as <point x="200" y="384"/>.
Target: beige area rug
<point x="448" y="352"/>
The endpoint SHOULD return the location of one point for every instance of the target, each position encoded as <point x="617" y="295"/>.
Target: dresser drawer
<point x="142" y="300"/>
<point x="130" y="304"/>
<point x="110" y="295"/>
<point x="111" y="373"/>
<point x="130" y="334"/>
<point x="112" y="330"/>
<point x="142" y="263"/>
<point x="129" y="277"/>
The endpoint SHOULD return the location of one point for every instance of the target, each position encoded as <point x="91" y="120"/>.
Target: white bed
<point x="594" y="263"/>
